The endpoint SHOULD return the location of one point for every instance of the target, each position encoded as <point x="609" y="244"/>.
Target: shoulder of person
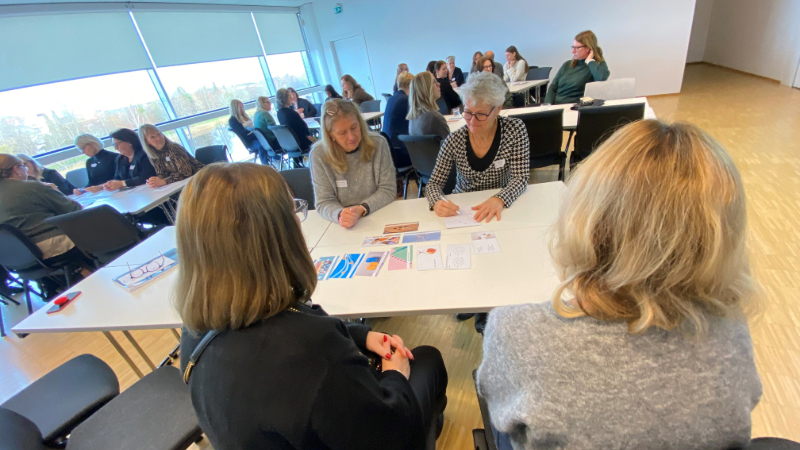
<point x="378" y="140"/>
<point x="535" y="321"/>
<point x="317" y="154"/>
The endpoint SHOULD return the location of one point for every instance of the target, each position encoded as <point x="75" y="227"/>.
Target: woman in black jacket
<point x="289" y="117"/>
<point x="47" y="176"/>
<point x="302" y="106"/>
<point x="265" y="368"/>
<point x="449" y="95"/>
<point x="133" y="165"/>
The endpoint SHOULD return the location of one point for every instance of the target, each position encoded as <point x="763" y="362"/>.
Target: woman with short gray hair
<point x="456" y="75"/>
<point x="101" y="165"/>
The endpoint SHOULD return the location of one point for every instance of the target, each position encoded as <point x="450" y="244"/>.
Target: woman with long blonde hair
<point x="351" y="167"/>
<point x="423" y="114"/>
<point x="587" y="65"/>
<point x="171" y="161"/>
<point x="648" y="328"/>
<point x="239" y="122"/>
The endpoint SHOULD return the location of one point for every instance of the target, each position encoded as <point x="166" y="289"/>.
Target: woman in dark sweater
<point x="289" y="117"/>
<point x="238" y="122"/>
<point x="449" y="95"/>
<point x="133" y="166"/>
<point x="49" y="177"/>
<point x="278" y="372"/>
<point x="587" y="65"/>
<point x="303" y="107"/>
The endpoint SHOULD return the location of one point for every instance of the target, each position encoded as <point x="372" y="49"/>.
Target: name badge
<point x="341" y="183"/>
<point x="168" y="158"/>
<point x="132" y="166"/>
<point x="499" y="163"/>
<point x="94" y="165"/>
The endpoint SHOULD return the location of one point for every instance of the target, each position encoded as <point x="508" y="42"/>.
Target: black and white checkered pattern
<point x="512" y="177"/>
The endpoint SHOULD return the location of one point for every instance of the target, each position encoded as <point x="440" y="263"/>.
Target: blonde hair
<point x="404" y="80"/>
<point x="652" y="231"/>
<point x="7" y="165"/>
<point x="260" y="103"/>
<point x="421" y="96"/>
<point x="237" y="111"/>
<point x="588" y="39"/>
<point x="37" y="168"/>
<point x="143" y="130"/>
<point x="82" y="139"/>
<point x="243" y="255"/>
<point x="332" y="111"/>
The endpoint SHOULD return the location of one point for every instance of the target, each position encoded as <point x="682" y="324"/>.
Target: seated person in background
<point x="423" y="115"/>
<point x="133" y="166"/>
<point x="49" y="177"/>
<point x="401" y="68"/>
<point x="645" y="343"/>
<point x="395" y="122"/>
<point x="330" y="93"/>
<point x="516" y="68"/>
<point x="101" y="165"/>
<point x="454" y="74"/>
<point x="289" y="117"/>
<point x="476" y="67"/>
<point x="587" y="65"/>
<point x="239" y="121"/>
<point x="171" y="161"/>
<point x="263" y="120"/>
<point x="448" y="93"/>
<point x="353" y="91"/>
<point x="489" y="66"/>
<point x="431" y="67"/>
<point x="279" y="372"/>
<point x="302" y="106"/>
<point x="351" y="168"/>
<point x="497" y="68"/>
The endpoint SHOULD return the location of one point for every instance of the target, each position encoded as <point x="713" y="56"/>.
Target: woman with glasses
<point x="423" y="114"/>
<point x="488" y="65"/>
<point x="276" y="371"/>
<point x="587" y="65"/>
<point x="100" y="165"/>
<point x="171" y="161"/>
<point x="49" y="177"/>
<point x="133" y="166"/>
<point x="351" y="168"/>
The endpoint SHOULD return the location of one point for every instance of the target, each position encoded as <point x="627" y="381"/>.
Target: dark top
<point x="248" y="138"/>
<point x="481" y="164"/>
<point x="26" y="204"/>
<point x="448" y="94"/>
<point x="569" y="83"/>
<point x="52" y="176"/>
<point x="395" y="88"/>
<point x="101" y="167"/>
<point x="299" y="380"/>
<point x="394" y="118"/>
<point x="308" y="108"/>
<point x="458" y="76"/>
<point x="290" y="118"/>
<point x="136" y="171"/>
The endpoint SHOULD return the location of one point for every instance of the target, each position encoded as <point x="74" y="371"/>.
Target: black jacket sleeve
<point x="308" y="108"/>
<point x="142" y="170"/>
<point x="52" y="176"/>
<point x="458" y="76"/>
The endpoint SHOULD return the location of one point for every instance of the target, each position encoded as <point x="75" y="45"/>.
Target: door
<point x="797" y="77"/>
<point x="350" y="56"/>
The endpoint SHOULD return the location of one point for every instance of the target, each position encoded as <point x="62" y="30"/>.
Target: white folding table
<point x="138" y="200"/>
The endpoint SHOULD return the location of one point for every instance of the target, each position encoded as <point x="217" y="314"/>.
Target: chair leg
<point x="2" y="327"/>
<point x="7" y="298"/>
<point x="405" y="188"/>
<point x="28" y="297"/>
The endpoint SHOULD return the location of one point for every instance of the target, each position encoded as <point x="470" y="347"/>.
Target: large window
<point x="288" y="70"/>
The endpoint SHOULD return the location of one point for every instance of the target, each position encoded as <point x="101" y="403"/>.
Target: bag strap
<point x="198" y="351"/>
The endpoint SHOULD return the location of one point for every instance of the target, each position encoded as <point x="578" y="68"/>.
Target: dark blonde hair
<point x="474" y="61"/>
<point x="421" y="97"/>
<point x="652" y="231"/>
<point x="7" y="165"/>
<point x="237" y="111"/>
<point x="404" y="80"/>
<point x="517" y="56"/>
<point x="351" y="80"/>
<point x="482" y="61"/>
<point x="242" y="254"/>
<point x="588" y="39"/>
<point x="332" y="111"/>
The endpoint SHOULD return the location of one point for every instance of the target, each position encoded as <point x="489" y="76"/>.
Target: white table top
<point x="517" y="86"/>
<point x="312" y="122"/>
<point x="134" y="201"/>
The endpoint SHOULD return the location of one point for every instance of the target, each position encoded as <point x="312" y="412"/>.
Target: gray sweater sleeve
<point x="324" y="181"/>
<point x="385" y="175"/>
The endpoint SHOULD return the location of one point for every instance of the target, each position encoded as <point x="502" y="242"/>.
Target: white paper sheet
<point x="429" y="257"/>
<point x="459" y="256"/>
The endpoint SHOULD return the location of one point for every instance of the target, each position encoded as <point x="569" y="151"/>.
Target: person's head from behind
<point x="34" y="168"/>
<point x="584" y="44"/>
<point x="440" y="69"/>
<point x="343" y="131"/>
<point x="237" y="111"/>
<point x="331" y="92"/>
<point x="483" y="95"/>
<point x="451" y="63"/>
<point x="404" y="81"/>
<point x="283" y="97"/>
<point x="88" y="144"/>
<point x="422" y="95"/>
<point x="242" y="252"/>
<point x="489" y="54"/>
<point x="431" y="67"/>
<point x="475" y="57"/>
<point x="152" y="140"/>
<point x="12" y="168"/>
<point x="652" y="231"/>
<point x="486" y="64"/>
<point x="349" y="84"/>
<point x="292" y="94"/>
<point x="264" y="104"/>
<point x="127" y="142"/>
<point x="402" y="67"/>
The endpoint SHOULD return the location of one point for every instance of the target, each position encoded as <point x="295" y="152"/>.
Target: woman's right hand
<point x="77" y="192"/>
<point x="94" y="189"/>
<point x="398" y="362"/>
<point x="444" y="208"/>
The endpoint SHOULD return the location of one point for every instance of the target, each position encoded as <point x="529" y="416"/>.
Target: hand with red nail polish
<point x="379" y="344"/>
<point x="398" y="362"/>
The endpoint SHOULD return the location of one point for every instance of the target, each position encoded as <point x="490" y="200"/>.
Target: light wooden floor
<point x="755" y="119"/>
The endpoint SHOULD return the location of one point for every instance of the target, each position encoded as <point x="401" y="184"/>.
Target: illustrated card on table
<point x="401" y="257"/>
<point x="387" y="239"/>
<point x="459" y="256"/>
<point x="485" y="242"/>
<point x="466" y="218"/>
<point x="371" y="265"/>
<point x="429" y="257"/>
<point x="346" y="265"/>
<point x="422" y="236"/>
<point x="323" y="266"/>
<point x="401" y="227"/>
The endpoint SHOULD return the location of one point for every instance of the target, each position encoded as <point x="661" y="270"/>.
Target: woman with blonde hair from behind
<point x="648" y="328"/>
<point x="423" y="114"/>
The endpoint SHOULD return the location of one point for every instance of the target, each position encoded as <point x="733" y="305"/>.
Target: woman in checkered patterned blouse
<point x="491" y="152"/>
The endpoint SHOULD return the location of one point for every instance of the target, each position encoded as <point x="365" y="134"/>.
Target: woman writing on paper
<point x="351" y="168"/>
<point x="171" y="161"/>
<point x="278" y="371"/>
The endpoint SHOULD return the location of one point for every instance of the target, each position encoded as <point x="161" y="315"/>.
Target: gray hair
<point x="450" y="59"/>
<point x="484" y="87"/>
<point x="84" y="139"/>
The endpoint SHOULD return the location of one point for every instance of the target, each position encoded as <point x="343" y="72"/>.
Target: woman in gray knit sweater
<point x="351" y="169"/>
<point x="645" y="344"/>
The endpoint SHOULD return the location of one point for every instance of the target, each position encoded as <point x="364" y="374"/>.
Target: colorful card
<point x="401" y="257"/>
<point x="429" y="257"/>
<point x="485" y="242"/>
<point x="465" y="218"/>
<point x="401" y="227"/>
<point x="323" y="266"/>
<point x="387" y="239"/>
<point x="422" y="236"/>
<point x="346" y="266"/>
<point x="371" y="265"/>
<point x="459" y="256"/>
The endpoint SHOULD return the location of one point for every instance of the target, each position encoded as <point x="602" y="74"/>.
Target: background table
<point x="138" y="200"/>
<point x="312" y="123"/>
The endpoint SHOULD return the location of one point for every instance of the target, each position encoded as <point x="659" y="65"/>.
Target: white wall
<point x="700" y="25"/>
<point x="641" y="39"/>
<point x="760" y="37"/>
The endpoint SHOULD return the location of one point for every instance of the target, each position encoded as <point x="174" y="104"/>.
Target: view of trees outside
<point x="215" y="132"/>
<point x="287" y="70"/>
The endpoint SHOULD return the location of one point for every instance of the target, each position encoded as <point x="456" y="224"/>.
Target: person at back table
<point x="489" y="65"/>
<point x="587" y="65"/>
<point x="395" y="122"/>
<point x="498" y="68"/>
<point x="239" y="122"/>
<point x="645" y="344"/>
<point x="475" y="66"/>
<point x="279" y="372"/>
<point x="133" y="166"/>
<point x="171" y="161"/>
<point x="351" y="168"/>
<point x="353" y="91"/>
<point x="454" y="74"/>
<point x="423" y="114"/>
<point x="262" y="121"/>
<point x="101" y="165"/>
<point x="401" y="68"/>
<point x="289" y="117"/>
<point x="302" y="106"/>
<point x="49" y="177"/>
<point x="330" y="93"/>
<point x="516" y="68"/>
<point x="449" y="95"/>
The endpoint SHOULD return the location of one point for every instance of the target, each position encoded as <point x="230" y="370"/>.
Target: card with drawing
<point x="485" y="242"/>
<point x="346" y="266"/>
<point x="401" y="257"/>
<point x="459" y="256"/>
<point x="429" y="257"/>
<point x="401" y="227"/>
<point x="388" y="239"/>
<point x="323" y="266"/>
<point x="422" y="236"/>
<point x="371" y="264"/>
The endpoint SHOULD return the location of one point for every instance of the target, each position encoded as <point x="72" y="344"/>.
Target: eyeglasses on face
<point x="300" y="209"/>
<point x="577" y="47"/>
<point x="480" y="117"/>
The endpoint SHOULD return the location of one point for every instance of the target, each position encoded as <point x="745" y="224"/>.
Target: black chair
<point x="545" y="135"/>
<point x="442" y="105"/>
<point x="78" y="177"/>
<point x="300" y="182"/>
<point x="597" y="124"/>
<point x="482" y="438"/>
<point x="372" y="106"/>
<point x="402" y="173"/>
<point x="539" y="73"/>
<point x="101" y="232"/>
<point x="212" y="154"/>
<point x="18" y="432"/>
<point x="64" y="398"/>
<point x="318" y="107"/>
<point x="290" y="144"/>
<point x="423" y="151"/>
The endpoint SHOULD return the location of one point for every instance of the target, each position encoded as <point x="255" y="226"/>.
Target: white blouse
<point x="516" y="72"/>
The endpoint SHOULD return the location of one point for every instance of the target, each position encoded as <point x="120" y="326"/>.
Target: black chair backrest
<point x="371" y="106"/>
<point x="531" y="73"/>
<point x="286" y="137"/>
<point x="442" y="105"/>
<point x="538" y="73"/>
<point x="300" y="182"/>
<point x="318" y="107"/>
<point x="212" y="154"/>
<point x="423" y="151"/>
<point x="99" y="231"/>
<point x="17" y="251"/>
<point x="595" y="125"/>
<point x="19" y="432"/>
<point x="545" y="131"/>
<point x="78" y="177"/>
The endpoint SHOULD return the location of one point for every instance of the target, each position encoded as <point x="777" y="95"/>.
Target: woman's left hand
<point x="590" y="58"/>
<point x="155" y="182"/>
<point x="113" y="185"/>
<point x="384" y="344"/>
<point x="488" y="209"/>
